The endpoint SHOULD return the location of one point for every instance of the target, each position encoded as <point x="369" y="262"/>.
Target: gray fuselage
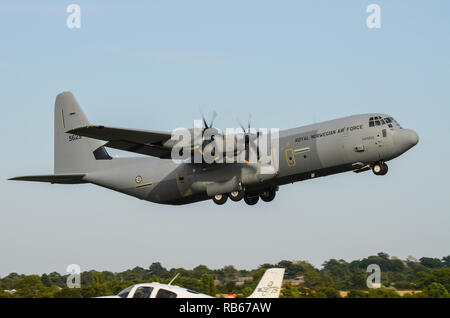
<point x="346" y="144"/>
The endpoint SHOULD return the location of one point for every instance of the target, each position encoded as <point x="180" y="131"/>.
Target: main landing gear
<point x="251" y="200"/>
<point x="380" y="168"/>
<point x="220" y="199"/>
<point x="236" y="195"/>
<point x="267" y="195"/>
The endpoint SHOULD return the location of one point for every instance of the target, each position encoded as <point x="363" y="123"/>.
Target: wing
<point x="54" y="178"/>
<point x="146" y="142"/>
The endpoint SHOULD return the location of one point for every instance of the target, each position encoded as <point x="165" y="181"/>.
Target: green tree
<point x="208" y="285"/>
<point x="431" y="262"/>
<point x="6" y="295"/>
<point x="67" y="293"/>
<point x="95" y="290"/>
<point x="328" y="292"/>
<point x="383" y="255"/>
<point x="117" y="286"/>
<point x="383" y="293"/>
<point x="441" y="276"/>
<point x="157" y="269"/>
<point x="446" y="261"/>
<point x="32" y="287"/>
<point x="355" y="293"/>
<point x="288" y="291"/>
<point x="46" y="280"/>
<point x="339" y="270"/>
<point x="200" y="270"/>
<point x="246" y="291"/>
<point x="313" y="279"/>
<point x="294" y="269"/>
<point x="436" y="290"/>
<point x="358" y="279"/>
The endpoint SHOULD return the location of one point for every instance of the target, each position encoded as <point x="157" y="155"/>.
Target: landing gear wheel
<point x="380" y="168"/>
<point x="236" y="195"/>
<point x="251" y="200"/>
<point x="220" y="199"/>
<point x="385" y="169"/>
<point x="268" y="195"/>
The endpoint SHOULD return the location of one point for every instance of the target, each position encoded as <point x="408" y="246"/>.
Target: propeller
<point x="214" y="115"/>
<point x="249" y="139"/>
<point x="208" y="126"/>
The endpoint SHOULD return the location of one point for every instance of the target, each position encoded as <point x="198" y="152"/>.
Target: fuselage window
<point x="371" y="124"/>
<point x="143" y="292"/>
<point x="163" y="293"/>
<point x="377" y="122"/>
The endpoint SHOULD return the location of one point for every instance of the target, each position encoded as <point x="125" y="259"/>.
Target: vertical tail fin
<point x="270" y="284"/>
<point x="73" y="154"/>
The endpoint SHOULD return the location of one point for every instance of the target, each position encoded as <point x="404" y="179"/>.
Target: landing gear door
<point x="183" y="183"/>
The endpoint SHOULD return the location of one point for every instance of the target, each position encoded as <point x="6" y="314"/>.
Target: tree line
<point x="424" y="277"/>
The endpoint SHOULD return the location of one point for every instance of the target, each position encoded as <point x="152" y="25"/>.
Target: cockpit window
<point x="124" y="293"/>
<point x="164" y="293"/>
<point x="379" y="121"/>
<point x="395" y="122"/>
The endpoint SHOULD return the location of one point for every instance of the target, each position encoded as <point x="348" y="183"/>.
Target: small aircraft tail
<point x="270" y="284"/>
<point x="73" y="154"/>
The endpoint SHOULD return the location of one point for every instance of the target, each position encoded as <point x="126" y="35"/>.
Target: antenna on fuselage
<point x="170" y="283"/>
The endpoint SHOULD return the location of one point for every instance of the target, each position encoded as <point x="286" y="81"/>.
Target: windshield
<point x="124" y="293"/>
<point x="380" y="121"/>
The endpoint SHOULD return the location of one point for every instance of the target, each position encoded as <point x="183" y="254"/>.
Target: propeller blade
<point x="213" y="118"/>
<point x="204" y="121"/>
<point x="240" y="125"/>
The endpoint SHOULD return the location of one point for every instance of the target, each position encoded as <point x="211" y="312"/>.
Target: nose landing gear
<point x="380" y="168"/>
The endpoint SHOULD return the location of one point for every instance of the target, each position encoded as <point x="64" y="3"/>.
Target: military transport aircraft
<point x="355" y="143"/>
<point x="268" y="287"/>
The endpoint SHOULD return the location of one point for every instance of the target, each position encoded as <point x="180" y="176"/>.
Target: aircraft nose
<point x="414" y="137"/>
<point x="406" y="139"/>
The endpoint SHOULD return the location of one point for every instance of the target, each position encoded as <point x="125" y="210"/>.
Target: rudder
<point x="73" y="154"/>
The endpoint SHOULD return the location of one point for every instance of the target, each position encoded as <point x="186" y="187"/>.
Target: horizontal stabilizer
<point x="54" y="178"/>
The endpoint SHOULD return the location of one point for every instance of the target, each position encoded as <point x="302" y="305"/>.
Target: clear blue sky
<point x="154" y="64"/>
